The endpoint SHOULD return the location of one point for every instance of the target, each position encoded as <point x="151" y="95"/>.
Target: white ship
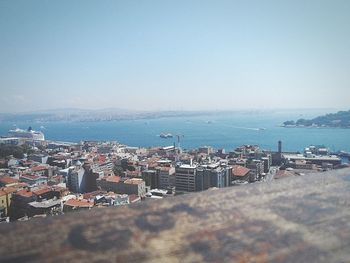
<point x="29" y="134"/>
<point x="166" y="135"/>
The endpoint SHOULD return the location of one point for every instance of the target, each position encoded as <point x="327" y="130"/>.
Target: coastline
<point x="312" y="127"/>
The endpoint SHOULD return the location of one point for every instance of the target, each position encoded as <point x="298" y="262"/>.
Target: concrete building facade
<point x="185" y="178"/>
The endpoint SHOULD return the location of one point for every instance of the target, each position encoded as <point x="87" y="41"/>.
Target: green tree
<point x="118" y="170"/>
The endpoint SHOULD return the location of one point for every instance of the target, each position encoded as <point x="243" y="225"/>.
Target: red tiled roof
<point x="240" y="171"/>
<point x="112" y="178"/>
<point x="282" y="174"/>
<point x="133" y="181"/>
<point x="93" y="194"/>
<point x="8" y="180"/>
<point x="79" y="203"/>
<point x="39" y="168"/>
<point x="42" y="190"/>
<point x="102" y="159"/>
<point x="9" y="190"/>
<point x="25" y="193"/>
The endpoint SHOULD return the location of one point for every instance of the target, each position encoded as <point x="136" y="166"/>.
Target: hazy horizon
<point x="174" y="55"/>
<point x="125" y="110"/>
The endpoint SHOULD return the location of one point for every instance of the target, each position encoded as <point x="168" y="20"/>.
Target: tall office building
<point x="185" y="178"/>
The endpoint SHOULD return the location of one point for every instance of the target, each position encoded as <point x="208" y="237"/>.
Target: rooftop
<point x="7" y="190"/>
<point x="41" y="190"/>
<point x="319" y="157"/>
<point x="240" y="171"/>
<point x="188" y="166"/>
<point x="39" y="168"/>
<point x="283" y="173"/>
<point x="164" y="161"/>
<point x="8" y="180"/>
<point x="30" y="177"/>
<point x="112" y="178"/>
<point x="94" y="193"/>
<point x="24" y="193"/>
<point x="133" y="181"/>
<point x="45" y="204"/>
<point x="78" y="203"/>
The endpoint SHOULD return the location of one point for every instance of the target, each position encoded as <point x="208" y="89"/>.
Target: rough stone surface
<point x="299" y="219"/>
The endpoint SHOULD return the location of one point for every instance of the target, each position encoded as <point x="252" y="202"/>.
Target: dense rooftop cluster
<point x="59" y="177"/>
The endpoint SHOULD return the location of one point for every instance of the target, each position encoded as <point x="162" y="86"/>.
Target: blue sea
<point x="219" y="130"/>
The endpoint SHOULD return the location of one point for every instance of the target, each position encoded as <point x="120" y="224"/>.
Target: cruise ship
<point x="29" y="134"/>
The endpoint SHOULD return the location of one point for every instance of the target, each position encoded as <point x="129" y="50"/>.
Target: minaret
<point x="280" y="147"/>
<point x="279" y="152"/>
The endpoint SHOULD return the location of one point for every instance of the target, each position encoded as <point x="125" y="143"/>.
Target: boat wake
<point x="248" y="128"/>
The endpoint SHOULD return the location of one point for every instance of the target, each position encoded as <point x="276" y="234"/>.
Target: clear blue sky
<point x="174" y="55"/>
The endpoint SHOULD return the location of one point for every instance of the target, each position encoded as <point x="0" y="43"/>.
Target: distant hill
<point x="83" y="115"/>
<point x="341" y="119"/>
<point x="70" y="114"/>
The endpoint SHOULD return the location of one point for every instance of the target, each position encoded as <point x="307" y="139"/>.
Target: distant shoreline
<point x="340" y="119"/>
<point x="312" y="127"/>
<point x="81" y="115"/>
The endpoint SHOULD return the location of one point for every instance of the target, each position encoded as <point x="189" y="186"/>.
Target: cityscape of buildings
<point x="53" y="178"/>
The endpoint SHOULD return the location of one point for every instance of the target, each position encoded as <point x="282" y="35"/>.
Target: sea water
<point x="219" y="130"/>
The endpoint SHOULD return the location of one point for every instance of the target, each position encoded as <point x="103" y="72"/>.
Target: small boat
<point x="166" y="135"/>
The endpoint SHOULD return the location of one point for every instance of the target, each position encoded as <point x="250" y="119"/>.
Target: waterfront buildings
<point x="61" y="177"/>
<point x="317" y="155"/>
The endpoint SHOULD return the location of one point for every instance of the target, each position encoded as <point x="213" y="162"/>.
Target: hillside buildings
<point x="62" y="177"/>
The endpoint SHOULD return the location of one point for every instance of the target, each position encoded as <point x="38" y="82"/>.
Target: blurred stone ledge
<point x="303" y="219"/>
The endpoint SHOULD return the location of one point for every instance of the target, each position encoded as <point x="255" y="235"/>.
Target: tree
<point x="7" y="150"/>
<point x="118" y="170"/>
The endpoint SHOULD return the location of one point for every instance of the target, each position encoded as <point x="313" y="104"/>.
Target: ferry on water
<point x="166" y="135"/>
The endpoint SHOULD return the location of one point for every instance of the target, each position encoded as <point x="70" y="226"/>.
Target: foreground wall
<point x="299" y="219"/>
